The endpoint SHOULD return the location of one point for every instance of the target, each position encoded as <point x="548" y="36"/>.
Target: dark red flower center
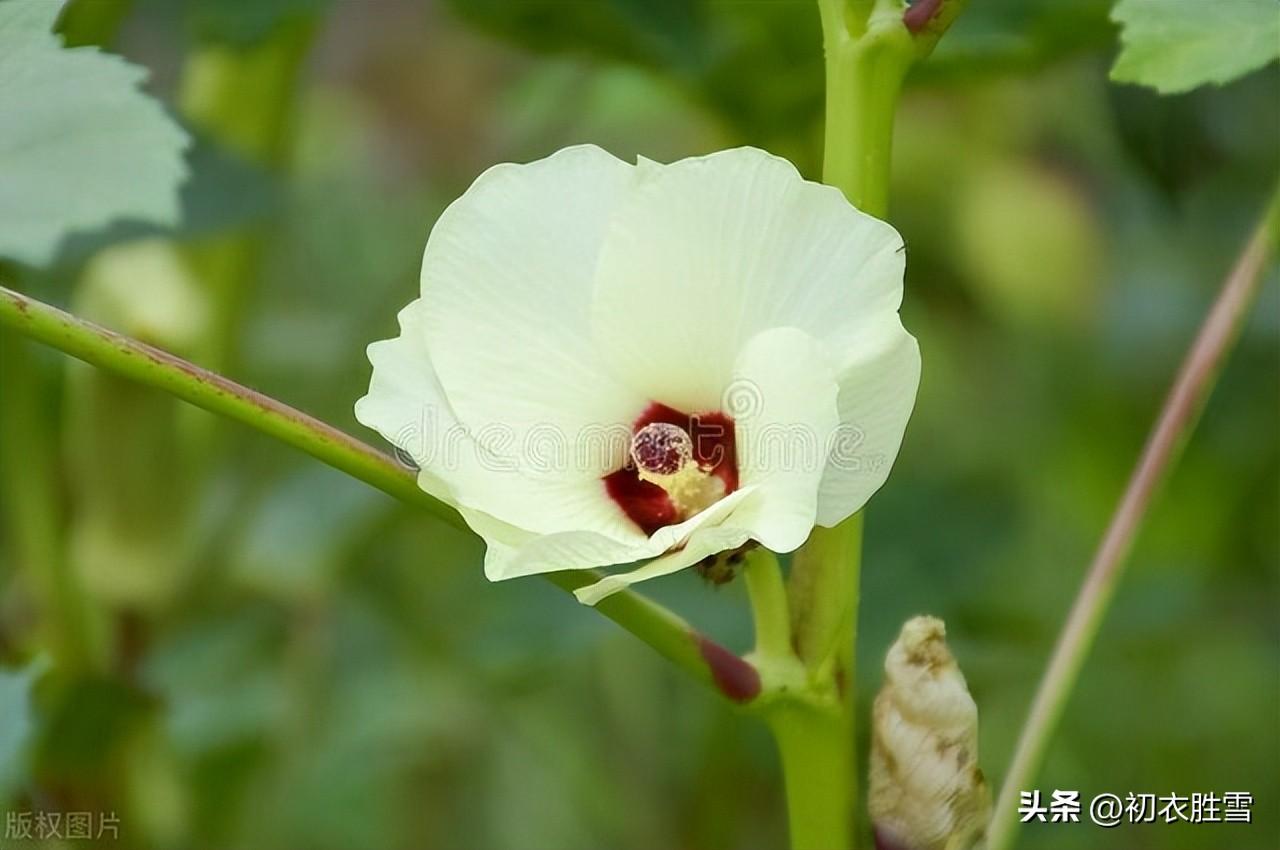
<point x="707" y="438"/>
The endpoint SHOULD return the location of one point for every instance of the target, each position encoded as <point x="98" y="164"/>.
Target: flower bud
<point x="926" y="790"/>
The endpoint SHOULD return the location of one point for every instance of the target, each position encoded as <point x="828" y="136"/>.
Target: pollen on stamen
<point x="661" y="448"/>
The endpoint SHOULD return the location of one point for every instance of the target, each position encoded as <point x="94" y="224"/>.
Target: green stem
<point x="869" y="46"/>
<point x="866" y="62"/>
<point x="868" y="51"/>
<point x="824" y="597"/>
<point x="814" y="744"/>
<point x="768" y="604"/>
<point x="671" y="636"/>
<point x="1177" y="418"/>
<point x="133" y="496"/>
<point x="151" y="366"/>
<point x="823" y="589"/>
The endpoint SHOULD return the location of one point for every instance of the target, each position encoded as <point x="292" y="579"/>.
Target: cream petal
<point x="507" y="277"/>
<point x="783" y="400"/>
<point x="408" y="407"/>
<point x="878" y="378"/>
<point x="704" y="543"/>
<point x="405" y="403"/>
<point x="706" y="252"/>
<point x="506" y="286"/>
<point x="513" y="384"/>
<point x="575" y="550"/>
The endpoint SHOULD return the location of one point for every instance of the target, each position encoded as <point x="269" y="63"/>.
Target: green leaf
<point x="1001" y="37"/>
<point x="243" y="23"/>
<point x="1177" y="45"/>
<point x="646" y="32"/>
<point x="17" y="729"/>
<point x="754" y="65"/>
<point x="80" y="145"/>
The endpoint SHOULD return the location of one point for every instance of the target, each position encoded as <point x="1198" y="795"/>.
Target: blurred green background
<point x="233" y="646"/>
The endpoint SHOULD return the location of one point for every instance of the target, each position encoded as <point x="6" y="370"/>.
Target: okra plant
<point x="610" y="371"/>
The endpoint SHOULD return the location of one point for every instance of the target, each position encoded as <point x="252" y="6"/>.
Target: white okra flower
<point x="614" y="363"/>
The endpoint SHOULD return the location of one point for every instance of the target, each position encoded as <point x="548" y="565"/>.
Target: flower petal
<point x="576" y="550"/>
<point x="407" y="406"/>
<point x="702" y="544"/>
<point x="562" y="298"/>
<point x="783" y="400"/>
<point x="506" y="286"/>
<point x="878" y="379"/>
<point x="405" y="403"/>
<point x="706" y="252"/>
<point x="506" y="282"/>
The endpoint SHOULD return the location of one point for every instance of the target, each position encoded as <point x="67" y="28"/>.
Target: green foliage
<point x="224" y="191"/>
<point x="1177" y="45"/>
<point x="667" y="32"/>
<point x="18" y="729"/>
<point x="752" y="64"/>
<point x="1029" y="244"/>
<point x="245" y="22"/>
<point x="334" y="670"/>
<point x="80" y="146"/>
<point x="1004" y="36"/>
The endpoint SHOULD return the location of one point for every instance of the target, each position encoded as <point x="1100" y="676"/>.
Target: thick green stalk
<point x="701" y="657"/>
<point x="823" y="588"/>
<point x="868" y="51"/>
<point x="864" y="78"/>
<point x="814" y="745"/>
<point x="824" y="585"/>
<point x="1177" y="418"/>
<point x="869" y="46"/>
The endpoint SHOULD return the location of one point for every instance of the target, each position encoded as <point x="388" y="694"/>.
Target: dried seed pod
<point x="926" y="790"/>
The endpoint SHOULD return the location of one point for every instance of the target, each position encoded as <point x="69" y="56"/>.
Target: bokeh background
<point x="229" y="645"/>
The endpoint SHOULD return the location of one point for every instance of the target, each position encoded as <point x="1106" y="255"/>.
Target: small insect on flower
<point x="612" y="363"/>
<point x="723" y="567"/>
